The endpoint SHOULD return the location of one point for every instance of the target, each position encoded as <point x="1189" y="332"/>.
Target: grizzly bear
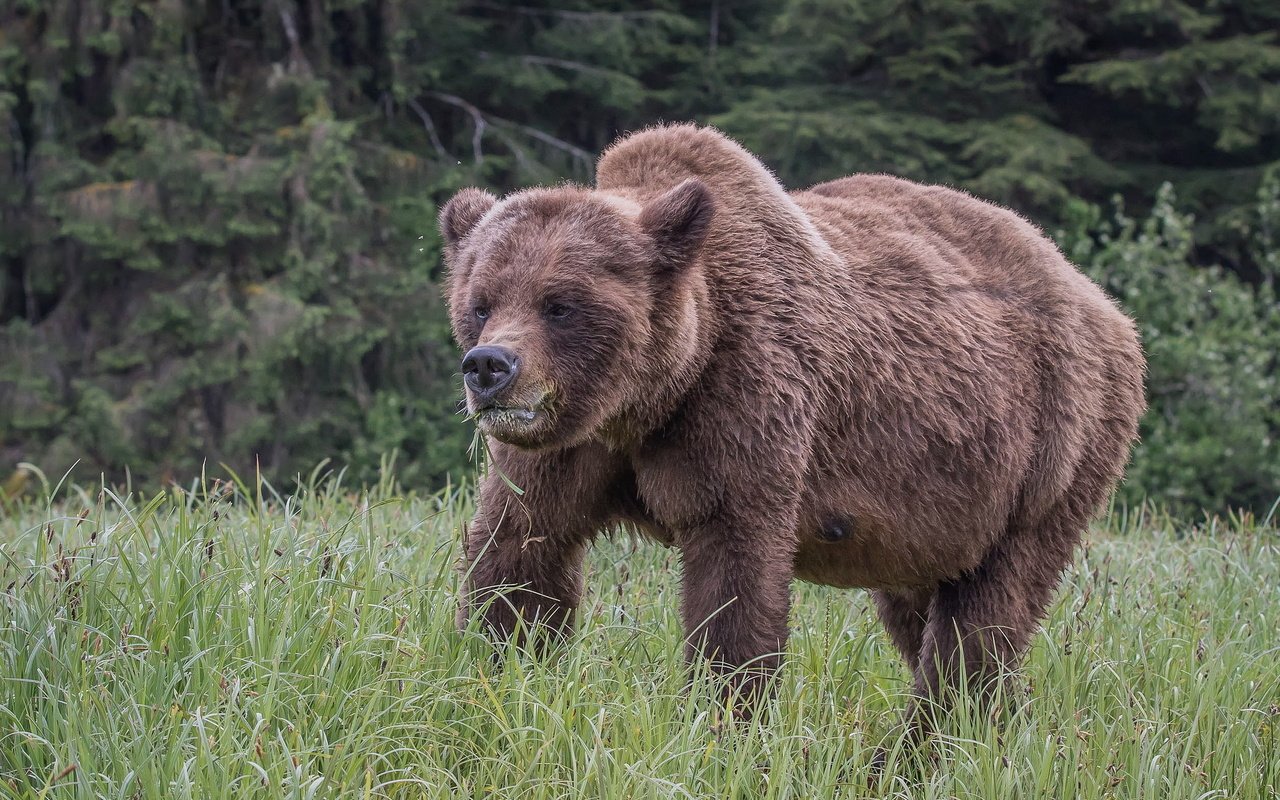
<point x="870" y="383"/>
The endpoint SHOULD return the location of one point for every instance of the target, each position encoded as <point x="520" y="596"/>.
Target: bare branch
<point x="522" y="161"/>
<point x="577" y="152"/>
<point x="297" y="57"/>
<point x="477" y="120"/>
<point x="430" y="125"/>
<point x="481" y="121"/>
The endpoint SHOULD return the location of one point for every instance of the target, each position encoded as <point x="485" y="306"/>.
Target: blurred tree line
<point x="217" y="237"/>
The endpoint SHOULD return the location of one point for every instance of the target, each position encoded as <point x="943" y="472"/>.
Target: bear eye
<point x="557" y="311"/>
<point x="481" y="312"/>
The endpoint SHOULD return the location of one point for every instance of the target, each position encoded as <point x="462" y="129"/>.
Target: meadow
<point x="227" y="640"/>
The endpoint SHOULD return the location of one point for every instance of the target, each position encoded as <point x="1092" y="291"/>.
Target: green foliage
<point x="1212" y="435"/>
<point x="1029" y="104"/>
<point x="1234" y="80"/>
<point x="219" y="274"/>
<point x="226" y="642"/>
<point x="217" y="237"/>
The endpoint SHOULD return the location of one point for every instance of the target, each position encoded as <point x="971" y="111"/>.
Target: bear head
<point x="555" y="295"/>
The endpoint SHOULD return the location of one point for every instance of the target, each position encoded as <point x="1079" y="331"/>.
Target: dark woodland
<point x="217" y="219"/>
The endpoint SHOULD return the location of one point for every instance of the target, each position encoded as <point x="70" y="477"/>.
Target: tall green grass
<point x="228" y="641"/>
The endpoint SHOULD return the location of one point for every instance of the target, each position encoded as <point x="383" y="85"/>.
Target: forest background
<point x="217" y="219"/>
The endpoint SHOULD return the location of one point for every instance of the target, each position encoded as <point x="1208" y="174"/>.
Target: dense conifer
<point x="216" y="218"/>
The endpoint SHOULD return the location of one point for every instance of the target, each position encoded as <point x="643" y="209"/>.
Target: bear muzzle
<point x="487" y="370"/>
<point x="513" y="411"/>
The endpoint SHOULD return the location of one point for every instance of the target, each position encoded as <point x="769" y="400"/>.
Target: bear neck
<point x="682" y="336"/>
<point x="734" y="281"/>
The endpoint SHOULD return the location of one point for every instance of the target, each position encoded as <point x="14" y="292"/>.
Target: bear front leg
<point x="735" y="599"/>
<point x="725" y="474"/>
<point x="521" y="580"/>
<point x="524" y="551"/>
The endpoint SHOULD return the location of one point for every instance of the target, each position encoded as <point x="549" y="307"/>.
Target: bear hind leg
<point x="904" y="614"/>
<point x="979" y="625"/>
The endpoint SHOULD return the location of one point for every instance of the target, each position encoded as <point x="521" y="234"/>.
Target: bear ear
<point x="460" y="215"/>
<point x="678" y="221"/>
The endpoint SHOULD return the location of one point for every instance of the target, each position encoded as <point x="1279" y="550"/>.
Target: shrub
<point x="1211" y="338"/>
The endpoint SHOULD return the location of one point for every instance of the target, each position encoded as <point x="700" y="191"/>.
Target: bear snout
<point x="487" y="370"/>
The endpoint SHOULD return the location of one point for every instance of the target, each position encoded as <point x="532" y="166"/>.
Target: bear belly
<point x="848" y="549"/>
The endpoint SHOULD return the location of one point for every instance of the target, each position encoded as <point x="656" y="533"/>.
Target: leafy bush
<point x="1209" y="440"/>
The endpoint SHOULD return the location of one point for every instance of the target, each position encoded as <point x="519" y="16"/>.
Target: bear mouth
<point x="517" y="420"/>
<point x="516" y="425"/>
<point x="507" y="414"/>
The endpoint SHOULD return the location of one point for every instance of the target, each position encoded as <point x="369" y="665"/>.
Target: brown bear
<point x="871" y="383"/>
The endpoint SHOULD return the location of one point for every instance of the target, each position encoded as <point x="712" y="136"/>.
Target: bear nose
<point x="488" y="369"/>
